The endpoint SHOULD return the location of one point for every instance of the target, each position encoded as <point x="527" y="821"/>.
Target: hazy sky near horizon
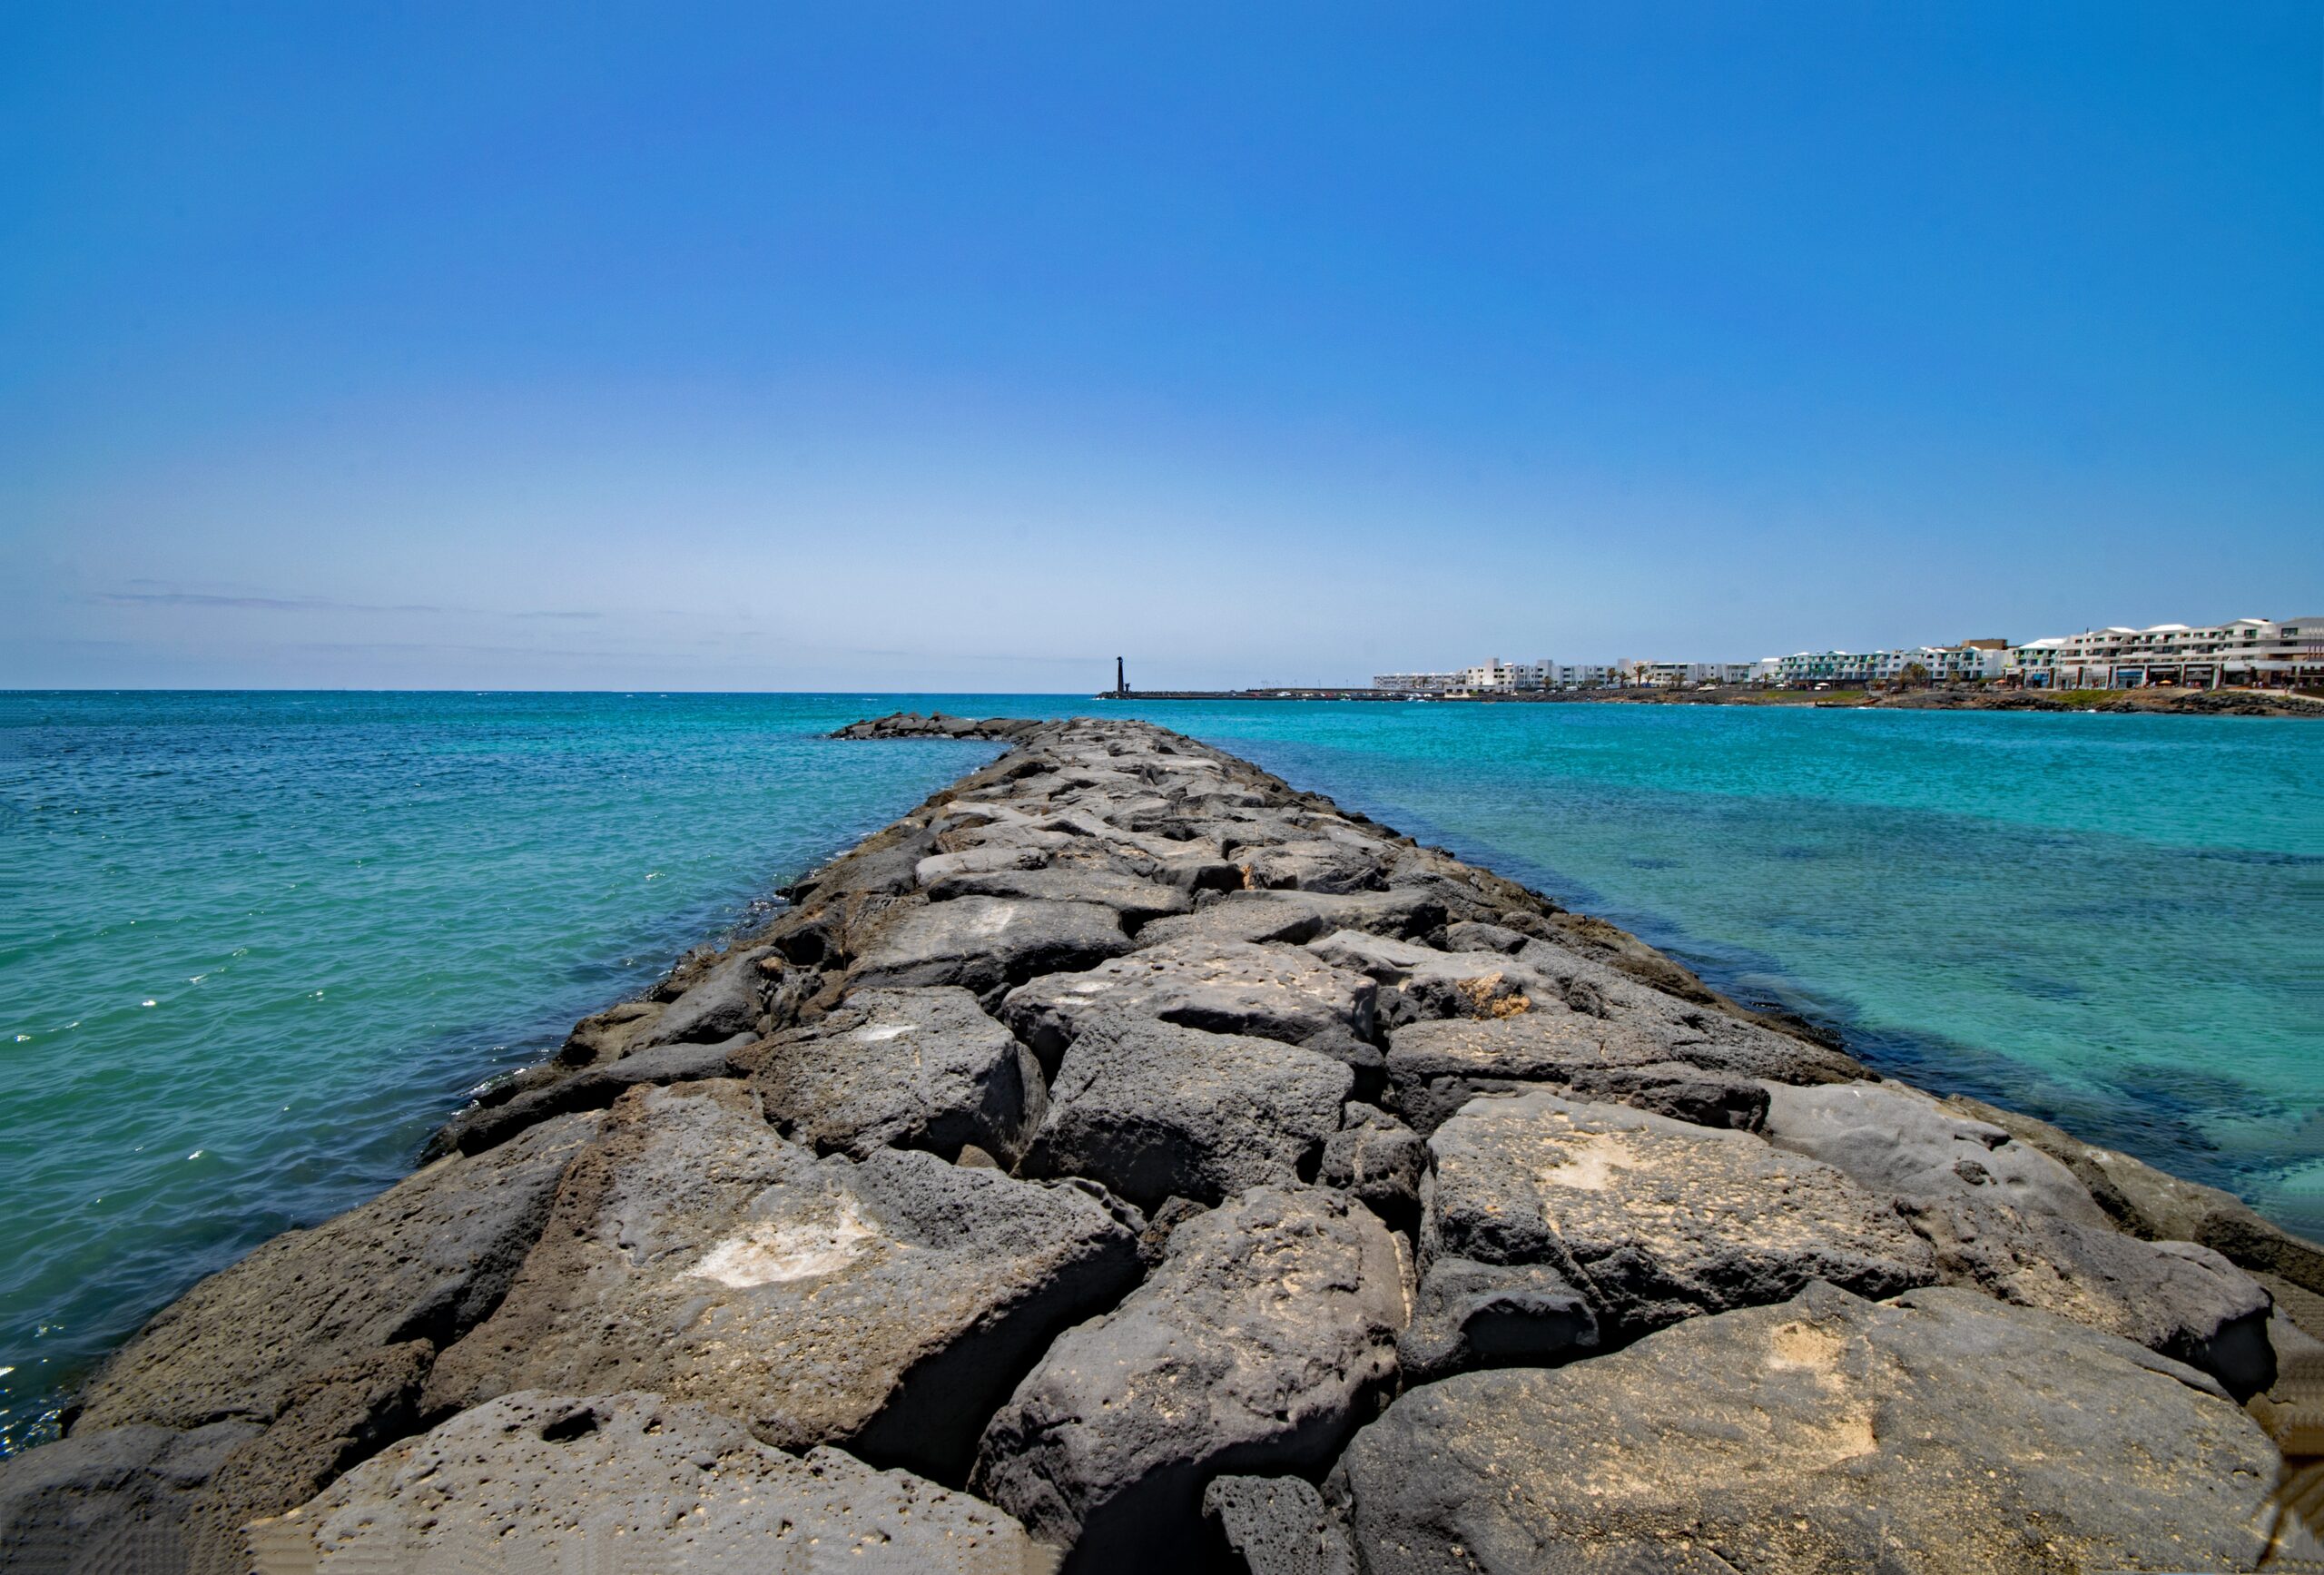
<point x="887" y="346"/>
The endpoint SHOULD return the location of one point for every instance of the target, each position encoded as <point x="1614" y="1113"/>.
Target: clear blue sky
<point x="882" y="346"/>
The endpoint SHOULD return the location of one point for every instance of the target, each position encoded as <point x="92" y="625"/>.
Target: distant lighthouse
<point x="1121" y="680"/>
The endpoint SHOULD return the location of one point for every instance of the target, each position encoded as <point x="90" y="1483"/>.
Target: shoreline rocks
<point x="1132" y="1141"/>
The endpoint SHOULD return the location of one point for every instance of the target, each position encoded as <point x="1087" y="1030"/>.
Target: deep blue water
<point x="253" y="947"/>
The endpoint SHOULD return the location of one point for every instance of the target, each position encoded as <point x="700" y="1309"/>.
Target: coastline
<point x="2160" y="701"/>
<point x="1329" y="923"/>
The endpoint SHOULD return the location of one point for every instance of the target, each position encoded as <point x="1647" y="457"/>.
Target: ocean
<point x="253" y="947"/>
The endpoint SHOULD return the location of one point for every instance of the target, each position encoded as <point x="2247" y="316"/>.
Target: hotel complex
<point x="2257" y="653"/>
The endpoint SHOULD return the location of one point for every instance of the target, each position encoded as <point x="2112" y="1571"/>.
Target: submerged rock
<point x="1255" y="1346"/>
<point x="885" y="1305"/>
<point x="1155" y="1111"/>
<point x="1942" y="1434"/>
<point x="626" y="1480"/>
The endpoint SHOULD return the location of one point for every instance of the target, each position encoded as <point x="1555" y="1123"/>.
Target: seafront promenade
<point x="1128" y="1158"/>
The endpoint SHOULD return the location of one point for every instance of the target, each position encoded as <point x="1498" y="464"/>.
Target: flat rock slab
<point x="1136" y="901"/>
<point x="985" y="944"/>
<point x="1650" y="1220"/>
<point x="482" y="1124"/>
<point x="1317" y="865"/>
<point x="883" y="1304"/>
<point x="553" y="1481"/>
<point x="1418" y="983"/>
<point x="1296" y="918"/>
<point x="1225" y="988"/>
<point x="1940" y="1434"/>
<point x="900" y="1069"/>
<point x="427" y="1259"/>
<point x="1254" y="1346"/>
<point x="2010" y="1220"/>
<point x="1687" y="1031"/>
<point x="1435" y="1067"/>
<point x="1154" y="1111"/>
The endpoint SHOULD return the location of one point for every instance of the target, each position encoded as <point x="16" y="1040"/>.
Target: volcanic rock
<point x="902" y="1069"/>
<point x="1648" y="1220"/>
<point x="883" y="1304"/>
<point x="558" y="1481"/>
<point x="985" y="944"/>
<point x="427" y="1259"/>
<point x="1255" y="1346"/>
<point x="1154" y="1110"/>
<point x="1939" y="1434"/>
<point x="2012" y="1222"/>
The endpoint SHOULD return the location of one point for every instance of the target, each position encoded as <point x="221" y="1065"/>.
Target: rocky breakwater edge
<point x="1127" y="1162"/>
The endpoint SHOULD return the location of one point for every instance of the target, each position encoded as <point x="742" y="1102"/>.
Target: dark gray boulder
<point x="121" y="1500"/>
<point x="1225" y="988"/>
<point x="424" y="1260"/>
<point x="484" y="1124"/>
<point x="1469" y="1313"/>
<point x="985" y="944"/>
<point x="2150" y="1203"/>
<point x="1154" y="1111"/>
<point x="882" y="1304"/>
<point x="1276" y="1526"/>
<point x="1135" y="901"/>
<point x="1650" y="1220"/>
<point x="883" y="864"/>
<point x="1471" y="935"/>
<point x="1418" y="983"/>
<point x="1296" y="918"/>
<point x="610" y="1034"/>
<point x="1940" y="1432"/>
<point x="1689" y="1028"/>
<point x="726" y="1002"/>
<point x="1435" y="1067"/>
<point x="1379" y="1161"/>
<point x="553" y="1481"/>
<point x="1318" y="865"/>
<point x="2008" y="1219"/>
<point x="900" y="1069"/>
<point x="1255" y="1346"/>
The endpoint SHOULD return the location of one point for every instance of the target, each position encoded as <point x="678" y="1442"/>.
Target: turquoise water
<point x="252" y="947"/>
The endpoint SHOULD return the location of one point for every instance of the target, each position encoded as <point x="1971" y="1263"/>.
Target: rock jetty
<point x="1125" y="1162"/>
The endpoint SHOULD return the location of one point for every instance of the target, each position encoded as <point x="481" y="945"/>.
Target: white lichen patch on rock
<point x="774" y="1251"/>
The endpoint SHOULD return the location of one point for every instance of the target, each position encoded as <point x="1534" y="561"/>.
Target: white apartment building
<point x="1585" y="675"/>
<point x="1490" y="676"/>
<point x="1496" y="674"/>
<point x="1969" y="662"/>
<point x="2259" y="652"/>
